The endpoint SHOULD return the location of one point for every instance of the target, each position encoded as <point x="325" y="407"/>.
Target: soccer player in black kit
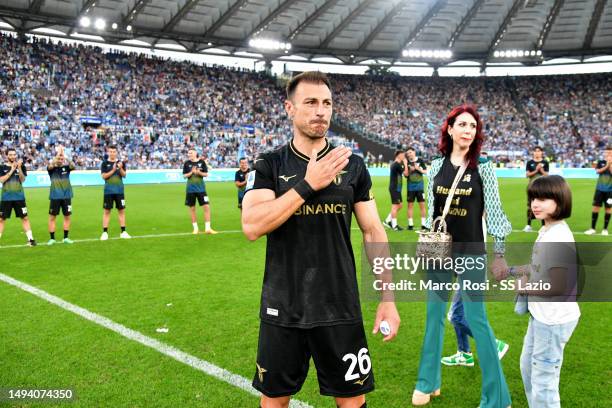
<point x="397" y="171"/>
<point x="302" y="196"/>
<point x="535" y="168"/>
<point x="240" y="179"/>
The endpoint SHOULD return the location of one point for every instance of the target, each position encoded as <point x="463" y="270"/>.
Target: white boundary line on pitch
<point x="173" y="234"/>
<point x="166" y="349"/>
<point x="180" y="234"/>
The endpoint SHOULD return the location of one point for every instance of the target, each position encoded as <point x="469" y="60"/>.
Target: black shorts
<point x="240" y="198"/>
<point x="65" y="205"/>
<point x="190" y="199"/>
<point x="396" y="196"/>
<point x="602" y="198"/>
<point x="118" y="200"/>
<point x="7" y="207"/>
<point x="340" y="354"/>
<point x="416" y="196"/>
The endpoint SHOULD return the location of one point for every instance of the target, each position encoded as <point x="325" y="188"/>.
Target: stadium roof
<point x="390" y="31"/>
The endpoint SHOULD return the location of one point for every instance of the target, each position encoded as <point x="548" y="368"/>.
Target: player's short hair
<point x="111" y="147"/>
<point x="397" y="152"/>
<point x="556" y="188"/>
<point x="241" y="159"/>
<point x="313" y="77"/>
<point x="11" y="149"/>
<point x="538" y="148"/>
<point x="411" y="148"/>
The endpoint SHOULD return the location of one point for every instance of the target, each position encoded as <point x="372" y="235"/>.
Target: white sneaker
<point x="195" y="232"/>
<point x="527" y="228"/>
<point x="104" y="236"/>
<point x="604" y="232"/>
<point x="125" y="235"/>
<point x="590" y="231"/>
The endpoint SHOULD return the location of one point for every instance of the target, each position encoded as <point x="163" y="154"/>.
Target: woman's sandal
<point x="420" y="398"/>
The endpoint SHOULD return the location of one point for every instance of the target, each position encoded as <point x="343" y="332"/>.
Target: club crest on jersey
<point x="467" y="178"/>
<point x="338" y="178"/>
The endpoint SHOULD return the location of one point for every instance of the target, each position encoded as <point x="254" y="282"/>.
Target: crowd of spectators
<point x="154" y="109"/>
<point x="568" y="115"/>
<point x="573" y="112"/>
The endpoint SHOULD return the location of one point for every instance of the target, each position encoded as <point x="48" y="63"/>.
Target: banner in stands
<point x="93" y="177"/>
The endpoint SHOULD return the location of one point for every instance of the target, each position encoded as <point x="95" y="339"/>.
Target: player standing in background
<point x="113" y="172"/>
<point x="12" y="176"/>
<point x="536" y="167"/>
<point x="194" y="170"/>
<point x="303" y="197"/>
<point x="60" y="194"/>
<point x="240" y="179"/>
<point x="603" y="192"/>
<point x="416" y="186"/>
<point x="397" y="171"/>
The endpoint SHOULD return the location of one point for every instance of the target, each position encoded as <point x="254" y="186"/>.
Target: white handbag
<point x="438" y="243"/>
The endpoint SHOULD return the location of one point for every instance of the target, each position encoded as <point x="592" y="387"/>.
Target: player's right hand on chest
<point x="320" y="174"/>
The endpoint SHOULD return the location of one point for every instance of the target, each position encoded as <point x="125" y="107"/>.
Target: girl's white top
<point x="546" y="256"/>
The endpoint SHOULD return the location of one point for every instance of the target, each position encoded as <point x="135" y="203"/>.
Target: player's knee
<point x="279" y="402"/>
<point x="352" y="402"/>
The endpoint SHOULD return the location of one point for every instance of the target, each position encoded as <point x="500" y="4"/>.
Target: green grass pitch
<point x="213" y="284"/>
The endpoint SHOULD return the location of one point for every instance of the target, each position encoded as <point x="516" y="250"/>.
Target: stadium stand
<point x="155" y="108"/>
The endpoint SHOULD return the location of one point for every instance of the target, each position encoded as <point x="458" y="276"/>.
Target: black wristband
<point x="304" y="189"/>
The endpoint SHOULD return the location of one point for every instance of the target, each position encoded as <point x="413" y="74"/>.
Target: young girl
<point x="554" y="311"/>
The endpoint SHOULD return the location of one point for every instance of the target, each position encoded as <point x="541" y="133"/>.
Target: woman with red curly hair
<point x="476" y="196"/>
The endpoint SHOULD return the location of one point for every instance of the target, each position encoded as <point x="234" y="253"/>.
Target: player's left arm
<point x="545" y="168"/>
<point x="601" y="167"/>
<point x="376" y="244"/>
<point x="422" y="167"/>
<point x="23" y="173"/>
<point x="121" y="168"/>
<point x="204" y="172"/>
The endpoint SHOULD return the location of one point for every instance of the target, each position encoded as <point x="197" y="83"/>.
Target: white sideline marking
<point x="174" y="234"/>
<point x="166" y="349"/>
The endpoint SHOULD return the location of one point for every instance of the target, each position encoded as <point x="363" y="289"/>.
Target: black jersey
<point x="310" y="278"/>
<point x="604" y="181"/>
<point x="531" y="166"/>
<point x="12" y="189"/>
<point x="195" y="182"/>
<point x="396" y="175"/>
<point x="60" y="189"/>
<point x="240" y="177"/>
<point x="464" y="219"/>
<point x="415" y="177"/>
